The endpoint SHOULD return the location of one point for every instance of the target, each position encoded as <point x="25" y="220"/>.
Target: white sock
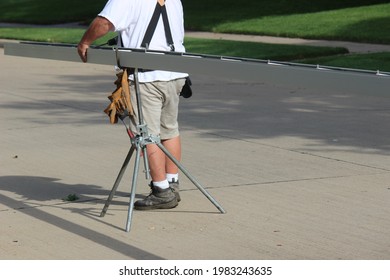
<point x="161" y="184"/>
<point x="173" y="177"/>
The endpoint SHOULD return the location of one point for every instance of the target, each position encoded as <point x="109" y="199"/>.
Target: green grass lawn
<point x="349" y="20"/>
<point x="49" y="12"/>
<point x="373" y="61"/>
<point x="259" y="50"/>
<point x="201" y="46"/>
<point x="361" y="24"/>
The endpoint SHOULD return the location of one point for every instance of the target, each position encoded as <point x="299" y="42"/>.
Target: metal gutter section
<point x="262" y="71"/>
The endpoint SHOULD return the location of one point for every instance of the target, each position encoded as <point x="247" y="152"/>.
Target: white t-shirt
<point x="131" y="19"/>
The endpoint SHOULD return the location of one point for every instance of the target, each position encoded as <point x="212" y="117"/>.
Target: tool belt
<point x="120" y="106"/>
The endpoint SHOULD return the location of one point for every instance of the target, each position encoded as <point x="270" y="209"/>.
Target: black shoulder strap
<point x="167" y="28"/>
<point x="159" y="10"/>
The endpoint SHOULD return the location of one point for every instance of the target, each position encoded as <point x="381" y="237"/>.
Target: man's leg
<point x="161" y="196"/>
<point x="159" y="163"/>
<point x="173" y="146"/>
<point x="156" y="159"/>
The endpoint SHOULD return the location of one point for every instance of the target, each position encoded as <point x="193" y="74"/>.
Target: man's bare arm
<point x="99" y="27"/>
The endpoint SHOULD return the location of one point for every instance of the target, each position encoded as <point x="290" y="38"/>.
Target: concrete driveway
<point x="302" y="174"/>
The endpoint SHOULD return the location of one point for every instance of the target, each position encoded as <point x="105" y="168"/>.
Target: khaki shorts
<point x="160" y="106"/>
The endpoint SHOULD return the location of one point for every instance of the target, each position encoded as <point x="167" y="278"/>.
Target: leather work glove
<point x="120" y="105"/>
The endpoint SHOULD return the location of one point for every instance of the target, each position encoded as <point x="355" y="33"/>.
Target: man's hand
<point x="82" y="49"/>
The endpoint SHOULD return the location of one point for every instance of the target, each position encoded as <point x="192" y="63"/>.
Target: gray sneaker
<point x="157" y="199"/>
<point x="174" y="185"/>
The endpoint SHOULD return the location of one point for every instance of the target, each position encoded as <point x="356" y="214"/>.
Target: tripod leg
<point x="146" y="163"/>
<point x="117" y="181"/>
<point x="190" y="177"/>
<point x="133" y="187"/>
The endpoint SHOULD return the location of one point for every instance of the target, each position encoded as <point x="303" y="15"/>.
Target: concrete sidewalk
<point x="302" y="174"/>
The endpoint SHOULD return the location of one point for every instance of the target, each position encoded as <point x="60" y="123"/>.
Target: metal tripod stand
<point x="138" y="144"/>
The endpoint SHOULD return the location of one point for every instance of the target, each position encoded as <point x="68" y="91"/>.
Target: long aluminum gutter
<point x="251" y="70"/>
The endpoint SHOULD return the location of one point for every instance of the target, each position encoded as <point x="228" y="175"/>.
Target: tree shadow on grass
<point x="375" y="30"/>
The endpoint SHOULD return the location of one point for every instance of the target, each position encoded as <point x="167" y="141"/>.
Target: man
<point x="159" y="90"/>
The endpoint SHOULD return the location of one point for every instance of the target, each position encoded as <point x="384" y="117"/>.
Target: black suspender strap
<point x="159" y="10"/>
<point x="151" y="27"/>
<point x="167" y="28"/>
